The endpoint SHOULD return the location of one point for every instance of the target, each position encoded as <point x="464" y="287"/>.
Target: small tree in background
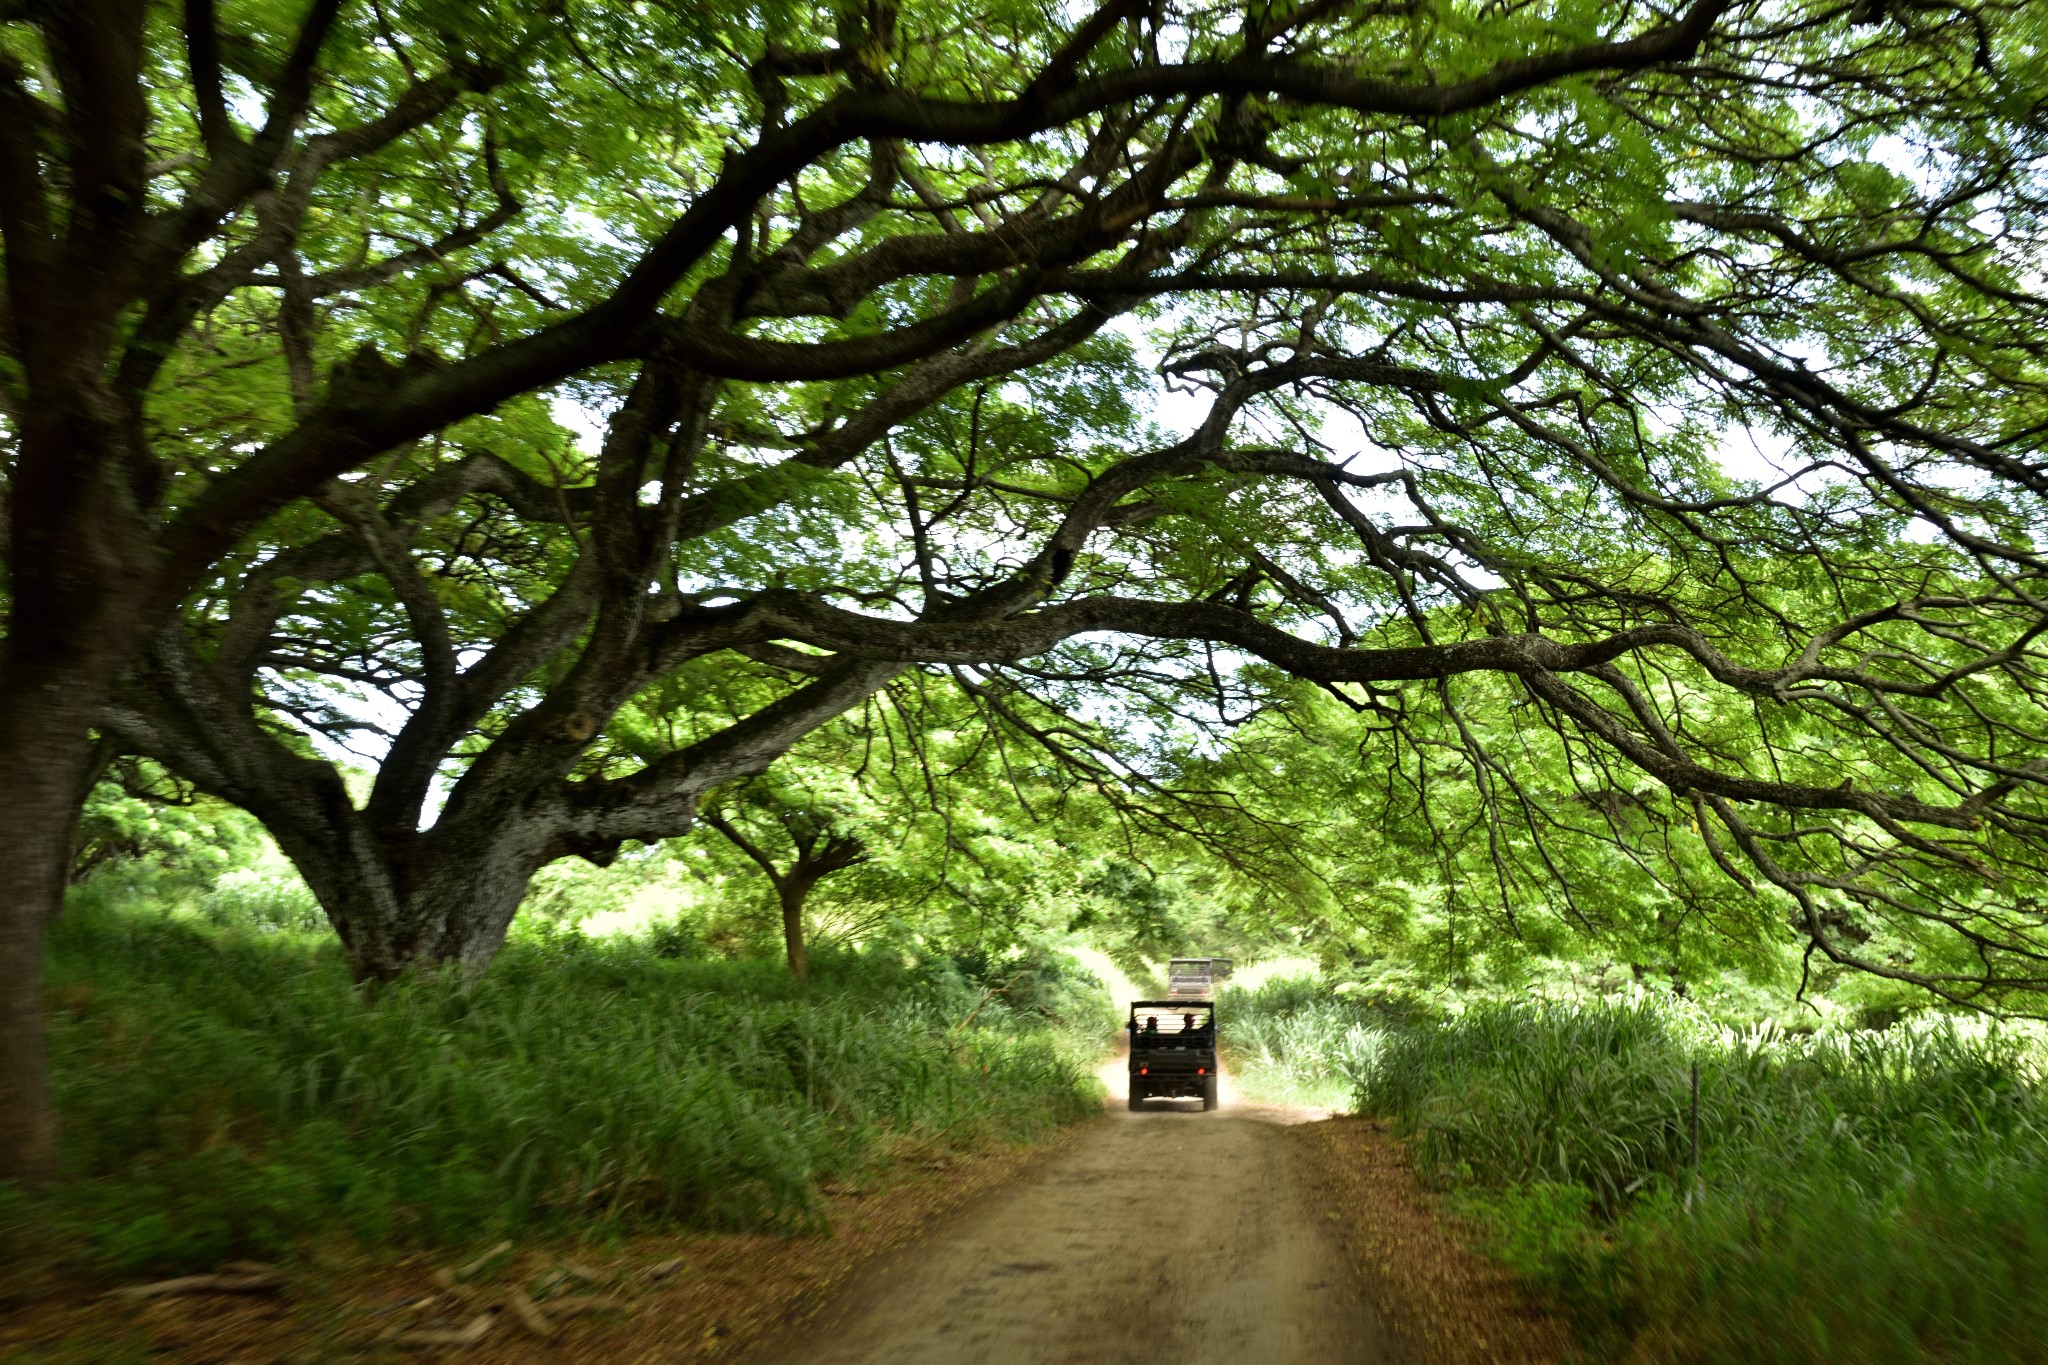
<point x="795" y="843"/>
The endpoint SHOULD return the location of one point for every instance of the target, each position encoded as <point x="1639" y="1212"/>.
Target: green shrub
<point x="263" y="901"/>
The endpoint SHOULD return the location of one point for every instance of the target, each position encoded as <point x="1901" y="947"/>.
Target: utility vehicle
<point x="1195" y="978"/>
<point x="1173" y="1051"/>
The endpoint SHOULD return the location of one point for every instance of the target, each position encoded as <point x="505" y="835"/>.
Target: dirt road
<point x="1167" y="1235"/>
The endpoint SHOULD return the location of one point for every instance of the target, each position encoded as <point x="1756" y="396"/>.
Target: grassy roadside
<point x="226" y="1093"/>
<point x="1443" y="1301"/>
<point x="1860" y="1196"/>
<point x="669" y="1296"/>
<point x="1867" y="1196"/>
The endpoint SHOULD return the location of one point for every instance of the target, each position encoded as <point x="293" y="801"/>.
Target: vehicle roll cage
<point x="1203" y="1035"/>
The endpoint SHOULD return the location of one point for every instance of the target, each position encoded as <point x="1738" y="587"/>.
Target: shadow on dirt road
<point x="1168" y="1234"/>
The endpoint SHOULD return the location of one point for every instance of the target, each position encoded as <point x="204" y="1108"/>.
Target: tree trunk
<point x="430" y="905"/>
<point x="46" y="753"/>
<point x="402" y="899"/>
<point x="427" y="933"/>
<point x="792" y="892"/>
<point x="37" y="815"/>
<point x="77" y="558"/>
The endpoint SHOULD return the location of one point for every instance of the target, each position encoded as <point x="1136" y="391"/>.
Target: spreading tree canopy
<point x="1461" y="310"/>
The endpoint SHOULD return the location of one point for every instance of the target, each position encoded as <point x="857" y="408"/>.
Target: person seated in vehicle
<point x="1188" y="1024"/>
<point x="1152" y="1024"/>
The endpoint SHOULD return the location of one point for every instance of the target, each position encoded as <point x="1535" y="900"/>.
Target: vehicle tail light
<point x="1201" y="1071"/>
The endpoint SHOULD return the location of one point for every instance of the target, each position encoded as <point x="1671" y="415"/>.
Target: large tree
<point x="1540" y="259"/>
<point x="353" y="176"/>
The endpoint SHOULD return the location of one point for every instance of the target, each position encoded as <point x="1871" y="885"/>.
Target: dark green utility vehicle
<point x="1173" y="1051"/>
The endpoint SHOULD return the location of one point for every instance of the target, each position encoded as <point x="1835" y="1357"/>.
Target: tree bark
<point x="455" y="919"/>
<point x="792" y="892"/>
<point x="78" y="557"/>
<point x="45" y="759"/>
<point x="48" y="694"/>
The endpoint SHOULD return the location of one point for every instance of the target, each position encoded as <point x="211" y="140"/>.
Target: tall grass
<point x="1860" y="1196"/>
<point x="230" y="1093"/>
<point x="1292" y="1040"/>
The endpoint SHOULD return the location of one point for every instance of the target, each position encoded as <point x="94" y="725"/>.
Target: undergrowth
<point x="1291" y="1040"/>
<point x="1859" y="1196"/>
<point x="227" y="1092"/>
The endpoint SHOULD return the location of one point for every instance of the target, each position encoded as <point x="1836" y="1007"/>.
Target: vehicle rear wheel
<point x="1137" y="1100"/>
<point x="1208" y="1093"/>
